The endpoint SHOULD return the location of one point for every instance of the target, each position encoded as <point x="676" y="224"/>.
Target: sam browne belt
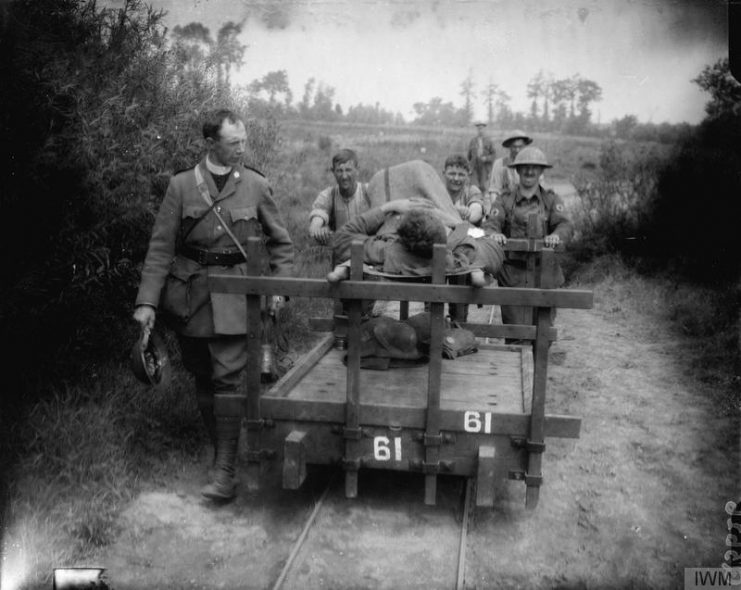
<point x="209" y="258"/>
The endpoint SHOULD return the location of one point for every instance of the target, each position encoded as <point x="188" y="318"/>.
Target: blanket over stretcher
<point x="408" y="180"/>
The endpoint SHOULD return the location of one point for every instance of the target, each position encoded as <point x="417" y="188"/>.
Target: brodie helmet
<point x="530" y="155"/>
<point x="149" y="359"/>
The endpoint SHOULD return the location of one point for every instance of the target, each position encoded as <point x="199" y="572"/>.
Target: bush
<point x="109" y="113"/>
<point x="691" y="221"/>
<point x="613" y="206"/>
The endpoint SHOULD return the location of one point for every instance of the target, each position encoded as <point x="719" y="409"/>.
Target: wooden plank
<point x="515" y="331"/>
<point x="432" y="426"/>
<point x="253" y="368"/>
<point x="505" y="423"/>
<point x="286" y="383"/>
<point x="540" y="378"/>
<point x="526" y="375"/>
<point x="359" y="289"/>
<point x="352" y="405"/>
<point x="485" y="473"/>
<point x="294" y="460"/>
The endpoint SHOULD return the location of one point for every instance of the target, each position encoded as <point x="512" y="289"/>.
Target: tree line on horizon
<point x="560" y="105"/>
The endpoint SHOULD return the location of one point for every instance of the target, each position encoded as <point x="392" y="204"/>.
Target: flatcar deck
<point x="494" y="379"/>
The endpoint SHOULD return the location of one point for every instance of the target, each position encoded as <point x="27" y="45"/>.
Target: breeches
<point x="216" y="363"/>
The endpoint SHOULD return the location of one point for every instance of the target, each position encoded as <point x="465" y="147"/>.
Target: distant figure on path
<point x="481" y="157"/>
<point x="337" y="204"/>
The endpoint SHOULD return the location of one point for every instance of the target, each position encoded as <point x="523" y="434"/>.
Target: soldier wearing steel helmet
<point x="509" y="219"/>
<point x="503" y="178"/>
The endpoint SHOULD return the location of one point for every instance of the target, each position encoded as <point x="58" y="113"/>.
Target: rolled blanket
<point x="408" y="180"/>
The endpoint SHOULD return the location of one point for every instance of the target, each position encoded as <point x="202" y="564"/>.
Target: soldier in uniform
<point x="466" y="197"/>
<point x="336" y="205"/>
<point x="202" y="227"/>
<point x="509" y="219"/>
<point x="481" y="157"/>
<point x="503" y="177"/>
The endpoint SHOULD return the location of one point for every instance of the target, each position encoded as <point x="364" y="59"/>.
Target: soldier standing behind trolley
<point x="504" y="178"/>
<point x="481" y="157"/>
<point x="202" y="227"/>
<point x="509" y="219"/>
<point x="336" y="205"/>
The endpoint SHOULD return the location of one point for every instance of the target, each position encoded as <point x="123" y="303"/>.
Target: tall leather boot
<point x="222" y="488"/>
<point x="209" y="420"/>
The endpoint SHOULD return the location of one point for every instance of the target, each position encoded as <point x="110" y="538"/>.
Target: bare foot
<point x="477" y="278"/>
<point x="340" y="273"/>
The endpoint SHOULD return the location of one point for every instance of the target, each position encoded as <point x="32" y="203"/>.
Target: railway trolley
<point x="478" y="416"/>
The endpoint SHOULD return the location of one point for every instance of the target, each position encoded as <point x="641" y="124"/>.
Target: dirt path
<point x="636" y="499"/>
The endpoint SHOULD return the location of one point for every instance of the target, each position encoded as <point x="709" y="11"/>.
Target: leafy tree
<point x="724" y="89"/>
<point x="589" y="92"/>
<point x="436" y="112"/>
<point x="273" y="84"/>
<point x="467" y="93"/>
<point x="700" y="184"/>
<point x="496" y="102"/>
<point x="562" y="96"/>
<point x="228" y="53"/>
<point x="106" y="117"/>
<point x="193" y="44"/>
<point x="625" y="126"/>
<point x="308" y="98"/>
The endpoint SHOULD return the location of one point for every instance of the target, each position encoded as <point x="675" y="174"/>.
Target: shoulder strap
<point x="387" y="184"/>
<point x="203" y="189"/>
<point x="332" y="204"/>
<point x="199" y="176"/>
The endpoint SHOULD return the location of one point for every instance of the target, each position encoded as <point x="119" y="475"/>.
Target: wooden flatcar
<point x="477" y="416"/>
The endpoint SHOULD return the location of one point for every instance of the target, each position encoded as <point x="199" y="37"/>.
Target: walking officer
<point x="202" y="228"/>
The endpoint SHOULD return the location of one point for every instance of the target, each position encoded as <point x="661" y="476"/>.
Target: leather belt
<point x="208" y="258"/>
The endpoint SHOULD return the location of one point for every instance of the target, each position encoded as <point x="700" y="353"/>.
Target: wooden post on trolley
<point x="352" y="431"/>
<point x="432" y="437"/>
<point x="536" y="439"/>
<point x="254" y="337"/>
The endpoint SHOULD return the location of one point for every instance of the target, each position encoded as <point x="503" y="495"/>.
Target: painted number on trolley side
<point x="383" y="451"/>
<point x="477" y="422"/>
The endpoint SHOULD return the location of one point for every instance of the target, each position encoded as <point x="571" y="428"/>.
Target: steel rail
<point x="460" y="578"/>
<point x="302" y="537"/>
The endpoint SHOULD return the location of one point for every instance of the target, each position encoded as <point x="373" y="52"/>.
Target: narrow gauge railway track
<point x="462" y="514"/>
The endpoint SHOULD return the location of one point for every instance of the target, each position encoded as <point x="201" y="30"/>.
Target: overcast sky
<point x="643" y="53"/>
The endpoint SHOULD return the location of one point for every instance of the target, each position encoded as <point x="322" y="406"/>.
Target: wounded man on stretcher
<point x="412" y="212"/>
<point x="398" y="239"/>
<point x="402" y="244"/>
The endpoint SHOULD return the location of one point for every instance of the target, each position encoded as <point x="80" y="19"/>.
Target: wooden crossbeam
<point x="388" y="291"/>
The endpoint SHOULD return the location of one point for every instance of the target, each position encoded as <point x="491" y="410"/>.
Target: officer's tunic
<point x="178" y="286"/>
